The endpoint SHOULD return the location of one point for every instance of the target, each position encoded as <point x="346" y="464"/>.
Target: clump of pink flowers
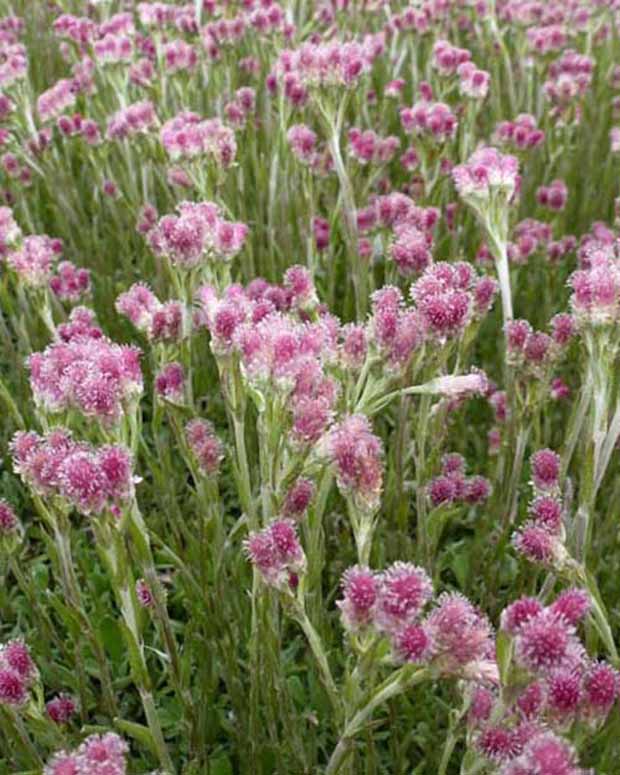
<point x="18" y="674"/>
<point x="99" y="754"/>
<point x="452" y="486"/>
<point x="94" y="377"/>
<point x="277" y="554"/>
<point x="88" y="478"/>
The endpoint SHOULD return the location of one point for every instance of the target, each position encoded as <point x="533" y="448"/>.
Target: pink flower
<point x="357" y="456"/>
<point x="33" y="262"/>
<point x="170" y="383"/>
<point x="144" y="594"/>
<point x="486" y="173"/>
<point x="545" y="642"/>
<point x="545" y="470"/>
<point x="572" y="605"/>
<point x="70" y="283"/>
<point x="276" y="552"/>
<point x="412" y="643"/>
<point x="404" y="591"/>
<point x="205" y="445"/>
<point x="520" y="612"/>
<point x="360" y="588"/>
<point x="61" y="708"/>
<point x="601" y="687"/>
<point x="103" y="755"/>
<point x="63" y="764"/>
<point x="9" y="523"/>
<point x="298" y="499"/>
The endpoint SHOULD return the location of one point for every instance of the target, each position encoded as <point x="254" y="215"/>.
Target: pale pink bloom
<point x="360" y="587"/>
<point x="205" y="445"/>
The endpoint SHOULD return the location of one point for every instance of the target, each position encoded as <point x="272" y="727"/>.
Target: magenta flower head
<point x="10" y="232"/>
<point x="63" y="764"/>
<point x="95" y="377"/>
<point x="546" y="642"/>
<point x="298" y="499"/>
<point x="404" y="591"/>
<point x="499" y="744"/>
<point x="103" y="755"/>
<point x="544" y="753"/>
<point x="520" y="612"/>
<point x="360" y="588"/>
<point x="18" y="673"/>
<point x="442" y="490"/>
<point x="546" y="512"/>
<point x="487" y="173"/>
<point x="11" y="529"/>
<point x="144" y="594"/>
<point x="298" y="281"/>
<point x="61" y="709"/>
<point x="170" y="383"/>
<point x="34" y="260"/>
<point x="277" y="554"/>
<point x="138" y="305"/>
<point x="538" y="545"/>
<point x="601" y="689"/>
<point x="481" y="707"/>
<point x="463" y="642"/>
<point x="412" y="643"/>
<point x="206" y="447"/>
<point x="572" y="605"/>
<point x="545" y="466"/>
<point x="357" y="453"/>
<point x="70" y="283"/>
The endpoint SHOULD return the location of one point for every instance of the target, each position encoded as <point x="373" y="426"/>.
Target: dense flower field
<point x="309" y="330"/>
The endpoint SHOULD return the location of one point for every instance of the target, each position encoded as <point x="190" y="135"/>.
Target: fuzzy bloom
<point x="187" y="136"/>
<point x="563" y="328"/>
<point x="517" y="333"/>
<point x="92" y="376"/>
<point x="57" y="99"/>
<point x="544" y="753"/>
<point x="61" y="709"/>
<point x="81" y="324"/>
<point x="303" y="142"/>
<point x="9" y="522"/>
<point x="410" y="250"/>
<point x="276" y="552"/>
<point x="34" y="260"/>
<point x="17" y="673"/>
<point x="498" y="744"/>
<point x="453" y="464"/>
<point x="412" y="643"/>
<point x="474" y="83"/>
<point x="321" y="66"/>
<point x="444" y="300"/>
<point x="545" y="466"/>
<point x="545" y="642"/>
<point x="138" y="305"/>
<point x="13" y="688"/>
<point x="447" y="59"/>
<point x="360" y="588"/>
<point x="300" y="285"/>
<point x="298" y="498"/>
<point x="70" y="283"/>
<point x="63" y="764"/>
<point x="433" y="120"/>
<point x="563" y="692"/>
<point x="404" y="591"/>
<point x="486" y="173"/>
<point x="601" y="688"/>
<point x="103" y="755"/>
<point x="559" y="390"/>
<point x="10" y="232"/>
<point x="477" y="490"/>
<point x="354" y="346"/>
<point x="144" y="594"/>
<point x="136" y="119"/>
<point x="554" y="197"/>
<point x="572" y="605"/>
<point x="518" y="613"/>
<point x="442" y="490"/>
<point x="197" y="234"/>
<point x="538" y="545"/>
<point x="546" y="512"/>
<point x="481" y="707"/>
<point x="170" y="383"/>
<point x="357" y="455"/>
<point x="90" y="479"/>
<point x="462" y="639"/>
<point x="205" y="445"/>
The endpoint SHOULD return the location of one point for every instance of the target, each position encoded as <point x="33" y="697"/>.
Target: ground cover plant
<point x="309" y="331"/>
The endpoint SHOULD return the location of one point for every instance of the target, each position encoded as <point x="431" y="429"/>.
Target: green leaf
<point x="138" y="731"/>
<point x="504" y="655"/>
<point x="220" y="765"/>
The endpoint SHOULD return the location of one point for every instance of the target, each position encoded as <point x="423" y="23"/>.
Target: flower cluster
<point x="99" y="754"/>
<point x="198" y="233"/>
<point x="277" y="554"/>
<point x="161" y="322"/>
<point x="89" y="479"/>
<point x="452" y="486"/>
<point x="188" y="136"/>
<point x="455" y="638"/>
<point x="541" y="538"/>
<point x="487" y="174"/>
<point x="18" y="674"/>
<point x="94" y="377"/>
